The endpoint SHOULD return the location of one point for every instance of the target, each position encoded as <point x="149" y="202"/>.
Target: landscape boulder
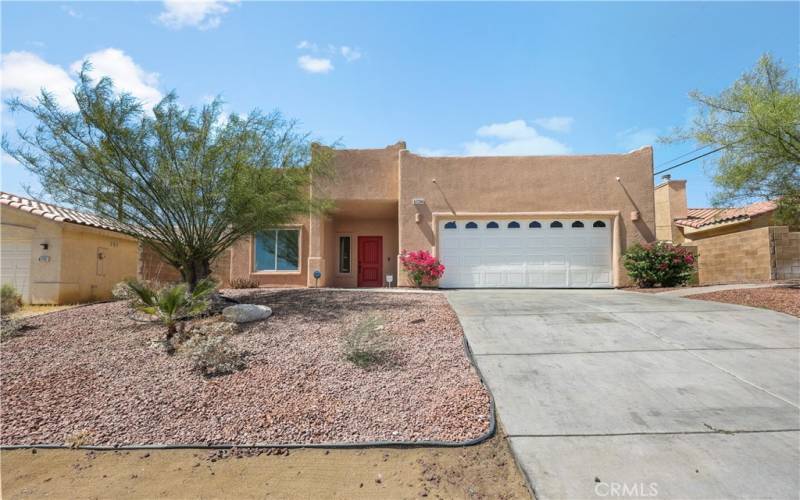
<point x="245" y="313"/>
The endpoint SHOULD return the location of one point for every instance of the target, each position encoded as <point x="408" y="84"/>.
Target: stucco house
<point x="737" y="244"/>
<point x="526" y="221"/>
<point x="55" y="255"/>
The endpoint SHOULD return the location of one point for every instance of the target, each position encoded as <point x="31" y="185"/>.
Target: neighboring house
<point x="533" y="221"/>
<point x="733" y="244"/>
<point x="56" y="255"/>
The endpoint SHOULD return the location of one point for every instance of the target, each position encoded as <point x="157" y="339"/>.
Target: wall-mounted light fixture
<point x="44" y="246"/>
<point x="418" y="201"/>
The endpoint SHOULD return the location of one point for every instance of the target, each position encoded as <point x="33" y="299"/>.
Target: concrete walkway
<point x="695" y="290"/>
<point x="605" y="391"/>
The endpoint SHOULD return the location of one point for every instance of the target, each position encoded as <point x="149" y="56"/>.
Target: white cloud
<point x="555" y="123"/>
<point x="324" y="64"/>
<point x="200" y="14"/>
<point x="514" y="138"/>
<point x="635" y="137"/>
<point x="314" y="64"/>
<point x="126" y="74"/>
<point x="71" y="12"/>
<point x="24" y="74"/>
<point x="349" y="53"/>
<point x="306" y="45"/>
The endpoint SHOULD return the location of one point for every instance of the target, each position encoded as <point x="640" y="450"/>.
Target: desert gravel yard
<point x="92" y="376"/>
<point x="785" y="299"/>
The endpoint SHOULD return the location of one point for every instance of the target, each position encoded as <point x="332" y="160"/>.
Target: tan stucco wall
<point x="67" y="271"/>
<point x="86" y="277"/>
<point x="362" y="174"/>
<point x="670" y="204"/>
<point x="515" y="185"/>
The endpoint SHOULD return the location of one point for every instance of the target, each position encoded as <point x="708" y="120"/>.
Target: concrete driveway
<point x="606" y="393"/>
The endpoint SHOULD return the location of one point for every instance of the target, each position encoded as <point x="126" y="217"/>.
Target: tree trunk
<point x="194" y="271"/>
<point x="172" y="329"/>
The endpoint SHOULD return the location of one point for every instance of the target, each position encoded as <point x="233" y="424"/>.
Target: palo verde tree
<point x="185" y="180"/>
<point x="756" y="123"/>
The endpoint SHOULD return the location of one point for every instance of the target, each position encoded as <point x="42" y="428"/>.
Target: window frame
<point x="253" y="241"/>
<point x="339" y="254"/>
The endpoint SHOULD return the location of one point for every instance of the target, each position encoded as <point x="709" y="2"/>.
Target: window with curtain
<point x="277" y="250"/>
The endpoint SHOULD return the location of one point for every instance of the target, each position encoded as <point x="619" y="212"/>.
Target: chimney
<point x="670" y="204"/>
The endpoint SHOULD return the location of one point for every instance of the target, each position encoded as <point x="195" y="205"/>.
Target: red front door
<point x="370" y="260"/>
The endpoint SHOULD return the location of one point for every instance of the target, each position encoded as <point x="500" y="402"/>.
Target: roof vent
<point x="666" y="177"/>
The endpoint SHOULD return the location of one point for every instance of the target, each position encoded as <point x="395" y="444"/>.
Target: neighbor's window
<point x="277" y="250"/>
<point x="344" y="254"/>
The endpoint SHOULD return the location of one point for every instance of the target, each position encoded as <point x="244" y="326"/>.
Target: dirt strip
<point x="485" y="471"/>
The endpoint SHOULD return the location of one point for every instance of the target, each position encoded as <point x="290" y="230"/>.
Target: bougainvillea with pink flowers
<point x="422" y="267"/>
<point x="659" y="263"/>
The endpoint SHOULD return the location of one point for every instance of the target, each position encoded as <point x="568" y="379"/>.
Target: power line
<point x="683" y="155"/>
<point x="690" y="160"/>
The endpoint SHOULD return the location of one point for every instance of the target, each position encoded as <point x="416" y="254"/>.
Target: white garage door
<point x="554" y="253"/>
<point x="15" y="264"/>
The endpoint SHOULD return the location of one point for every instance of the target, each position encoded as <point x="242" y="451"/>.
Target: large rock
<point x="245" y="313"/>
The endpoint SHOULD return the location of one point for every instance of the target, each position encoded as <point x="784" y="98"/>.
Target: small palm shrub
<point x="367" y="343"/>
<point x="422" y="267"/>
<point x="172" y="304"/>
<point x="10" y="299"/>
<point x="212" y="355"/>
<point x="244" y="283"/>
<point x="659" y="263"/>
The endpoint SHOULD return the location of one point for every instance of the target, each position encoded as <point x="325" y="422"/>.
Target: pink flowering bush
<point x="659" y="263"/>
<point x="422" y="267"/>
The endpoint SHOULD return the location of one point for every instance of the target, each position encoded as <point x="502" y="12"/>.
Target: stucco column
<point x="616" y="251"/>
<point x="316" y="251"/>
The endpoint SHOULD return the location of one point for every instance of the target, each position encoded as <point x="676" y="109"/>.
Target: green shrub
<point x="172" y="304"/>
<point x="244" y="283"/>
<point x="10" y="299"/>
<point x="659" y="263"/>
<point x="367" y="344"/>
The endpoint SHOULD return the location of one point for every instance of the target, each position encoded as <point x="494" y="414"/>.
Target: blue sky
<point x="449" y="78"/>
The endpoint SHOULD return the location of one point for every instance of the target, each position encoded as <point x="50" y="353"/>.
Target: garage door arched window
<point x="577" y="224"/>
<point x="534" y="225"/>
<point x="513" y="225"/>
<point x="599" y="223"/>
<point x="556" y="225"/>
<point x="450" y="225"/>
<point x="471" y="225"/>
<point x="492" y="225"/>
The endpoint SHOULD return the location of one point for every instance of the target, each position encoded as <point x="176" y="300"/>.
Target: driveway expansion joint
<point x="712" y="430"/>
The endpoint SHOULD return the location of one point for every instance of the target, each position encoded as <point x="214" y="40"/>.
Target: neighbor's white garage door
<point x="15" y="263"/>
<point x="562" y="253"/>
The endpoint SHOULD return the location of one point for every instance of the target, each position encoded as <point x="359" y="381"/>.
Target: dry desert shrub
<point x="367" y="344"/>
<point x="212" y="355"/>
<point x="244" y="283"/>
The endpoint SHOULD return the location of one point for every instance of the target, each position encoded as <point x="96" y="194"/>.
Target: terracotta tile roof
<point x="58" y="214"/>
<point x="700" y="217"/>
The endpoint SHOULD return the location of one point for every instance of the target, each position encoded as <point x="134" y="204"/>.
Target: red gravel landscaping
<point x="782" y="299"/>
<point x="92" y="375"/>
